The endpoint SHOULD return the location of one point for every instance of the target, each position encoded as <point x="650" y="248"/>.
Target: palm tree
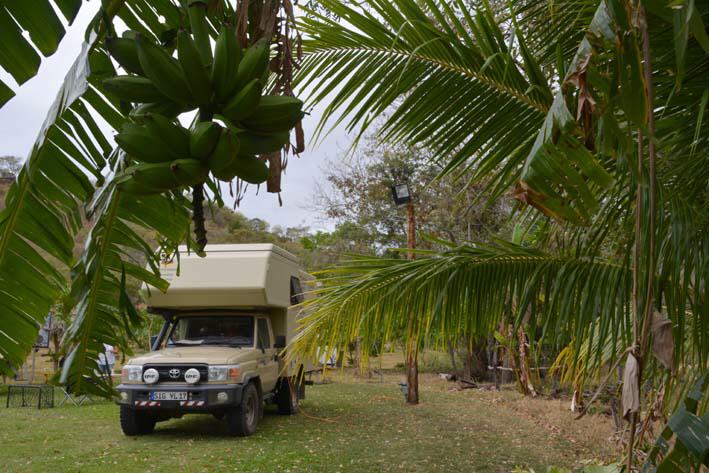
<point x="591" y="112"/>
<point x="68" y="179"/>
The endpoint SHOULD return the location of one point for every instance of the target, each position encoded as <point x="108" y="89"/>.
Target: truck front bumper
<point x="200" y="398"/>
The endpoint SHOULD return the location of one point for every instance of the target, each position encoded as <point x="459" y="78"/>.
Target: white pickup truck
<point x="227" y="317"/>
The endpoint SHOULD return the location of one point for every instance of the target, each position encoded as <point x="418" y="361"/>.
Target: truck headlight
<point x="151" y="376"/>
<point x="131" y="374"/>
<point x="192" y="376"/>
<point x="224" y="373"/>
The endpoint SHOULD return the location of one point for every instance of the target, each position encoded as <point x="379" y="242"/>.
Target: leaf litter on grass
<point x="362" y="426"/>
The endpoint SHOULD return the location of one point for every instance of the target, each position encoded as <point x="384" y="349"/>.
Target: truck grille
<point x="165" y="370"/>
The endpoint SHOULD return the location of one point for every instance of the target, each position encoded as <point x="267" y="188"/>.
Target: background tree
<point x="10" y="166"/>
<point x="359" y="193"/>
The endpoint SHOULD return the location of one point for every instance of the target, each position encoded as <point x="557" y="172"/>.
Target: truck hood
<point x="198" y="354"/>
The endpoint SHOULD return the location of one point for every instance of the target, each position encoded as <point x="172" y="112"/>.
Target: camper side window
<point x="296" y="291"/>
<point x="264" y="338"/>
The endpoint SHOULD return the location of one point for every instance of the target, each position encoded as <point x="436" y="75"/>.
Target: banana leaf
<point x="113" y="252"/>
<point x="690" y="430"/>
<point x="18" y="55"/>
<point x="43" y="215"/>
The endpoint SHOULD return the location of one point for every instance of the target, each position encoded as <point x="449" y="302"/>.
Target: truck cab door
<point x="268" y="358"/>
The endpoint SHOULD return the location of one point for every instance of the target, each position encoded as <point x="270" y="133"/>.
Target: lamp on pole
<point x="402" y="196"/>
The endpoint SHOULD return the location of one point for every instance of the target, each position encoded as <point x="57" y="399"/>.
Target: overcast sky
<point x="22" y="117"/>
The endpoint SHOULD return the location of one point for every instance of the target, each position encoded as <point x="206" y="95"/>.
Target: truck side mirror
<point x="280" y="341"/>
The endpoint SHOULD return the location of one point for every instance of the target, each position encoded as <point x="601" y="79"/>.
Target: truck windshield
<point x="205" y="330"/>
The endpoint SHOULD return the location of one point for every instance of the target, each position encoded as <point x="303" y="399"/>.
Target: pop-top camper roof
<point x="228" y="276"/>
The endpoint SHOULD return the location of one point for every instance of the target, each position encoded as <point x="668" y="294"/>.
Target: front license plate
<point x="168" y="396"/>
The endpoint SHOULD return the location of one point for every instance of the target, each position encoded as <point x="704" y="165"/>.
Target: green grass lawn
<point x="348" y="425"/>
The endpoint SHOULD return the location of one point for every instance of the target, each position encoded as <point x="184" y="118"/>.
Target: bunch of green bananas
<point x="226" y="83"/>
<point x="169" y="156"/>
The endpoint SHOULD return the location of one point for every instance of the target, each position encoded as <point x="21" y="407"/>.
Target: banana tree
<point x="590" y="113"/>
<point x="75" y="173"/>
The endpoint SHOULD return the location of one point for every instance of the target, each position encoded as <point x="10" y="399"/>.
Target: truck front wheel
<point x="241" y="421"/>
<point x="135" y="422"/>
<point x="287" y="396"/>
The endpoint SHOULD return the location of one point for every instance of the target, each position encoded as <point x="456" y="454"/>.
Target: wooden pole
<point x="411" y="229"/>
<point x="412" y="372"/>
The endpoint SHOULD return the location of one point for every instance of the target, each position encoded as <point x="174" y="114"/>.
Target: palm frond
<point x="463" y="291"/>
<point x="554" y="29"/>
<point x="445" y="71"/>
<point x="589" y="361"/>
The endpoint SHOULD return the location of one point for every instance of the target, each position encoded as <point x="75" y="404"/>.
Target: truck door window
<point x="264" y="338"/>
<point x="213" y="330"/>
<point x="296" y="291"/>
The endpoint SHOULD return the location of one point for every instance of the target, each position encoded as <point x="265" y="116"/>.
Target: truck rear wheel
<point x="135" y="422"/>
<point x="287" y="396"/>
<point x="241" y="421"/>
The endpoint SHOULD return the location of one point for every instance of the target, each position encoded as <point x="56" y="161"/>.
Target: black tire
<point x="242" y="421"/>
<point x="135" y="422"/>
<point x="287" y="396"/>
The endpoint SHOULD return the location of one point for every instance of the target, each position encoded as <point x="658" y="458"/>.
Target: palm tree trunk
<point x="468" y="361"/>
<point x="495" y="372"/>
<point x="513" y="357"/>
<point x="642" y="314"/>
<point x="525" y="374"/>
<point x="412" y="373"/>
<point x="451" y="353"/>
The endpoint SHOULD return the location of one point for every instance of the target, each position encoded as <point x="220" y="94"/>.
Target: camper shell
<point x="227" y="317"/>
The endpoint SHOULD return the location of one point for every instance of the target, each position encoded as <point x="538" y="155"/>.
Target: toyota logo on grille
<point x="174" y="373"/>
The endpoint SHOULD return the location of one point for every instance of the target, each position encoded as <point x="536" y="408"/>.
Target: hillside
<point x="225" y="225"/>
<point x="5" y="183"/>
